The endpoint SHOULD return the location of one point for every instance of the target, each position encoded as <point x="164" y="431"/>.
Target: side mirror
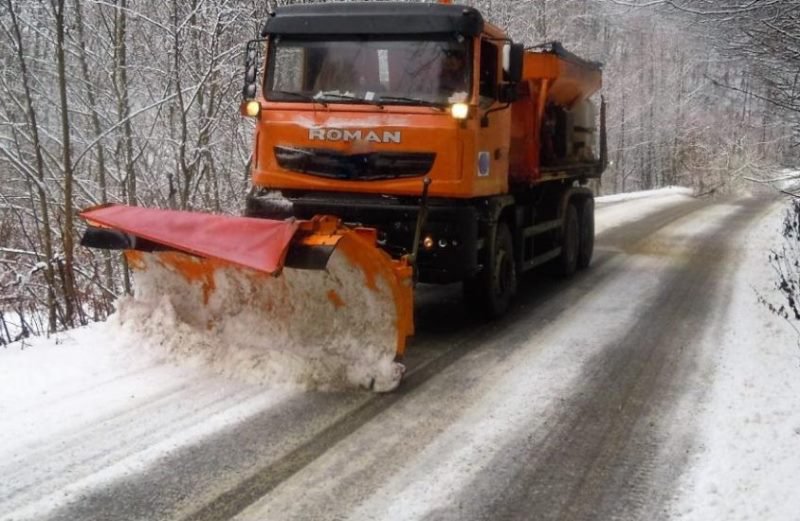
<point x="513" y="58"/>
<point x="251" y="58"/>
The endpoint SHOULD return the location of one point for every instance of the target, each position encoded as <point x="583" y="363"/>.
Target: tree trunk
<point x="46" y="232"/>
<point x="97" y="129"/>
<point x="67" y="237"/>
<point x="123" y="112"/>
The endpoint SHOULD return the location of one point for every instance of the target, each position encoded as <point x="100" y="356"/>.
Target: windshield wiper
<point x="337" y="95"/>
<point x="298" y="95"/>
<point x="369" y="101"/>
<point x="416" y="101"/>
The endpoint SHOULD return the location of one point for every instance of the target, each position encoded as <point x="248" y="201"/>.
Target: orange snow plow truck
<point x="415" y="143"/>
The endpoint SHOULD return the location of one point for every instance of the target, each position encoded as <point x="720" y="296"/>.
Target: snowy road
<point x="580" y="404"/>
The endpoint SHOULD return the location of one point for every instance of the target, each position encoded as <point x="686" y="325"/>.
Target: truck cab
<point x="358" y="103"/>
<point x="371" y="97"/>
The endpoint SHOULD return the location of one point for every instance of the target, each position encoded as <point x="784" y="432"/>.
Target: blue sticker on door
<point x="484" y="163"/>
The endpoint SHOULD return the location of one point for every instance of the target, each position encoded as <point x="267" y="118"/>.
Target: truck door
<point x="494" y="133"/>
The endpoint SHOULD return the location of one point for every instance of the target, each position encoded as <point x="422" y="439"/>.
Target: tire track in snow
<point x="600" y="460"/>
<point x="114" y="445"/>
<point x="195" y="473"/>
<point x="110" y="439"/>
<point x="407" y="444"/>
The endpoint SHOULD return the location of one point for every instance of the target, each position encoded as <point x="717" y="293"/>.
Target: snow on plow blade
<point x="313" y="302"/>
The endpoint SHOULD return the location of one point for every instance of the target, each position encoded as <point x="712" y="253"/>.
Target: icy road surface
<point x="618" y="394"/>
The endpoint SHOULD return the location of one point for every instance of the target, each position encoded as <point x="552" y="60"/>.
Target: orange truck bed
<point x="550" y="76"/>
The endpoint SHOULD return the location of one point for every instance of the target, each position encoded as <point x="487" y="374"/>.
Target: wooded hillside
<point x="138" y="102"/>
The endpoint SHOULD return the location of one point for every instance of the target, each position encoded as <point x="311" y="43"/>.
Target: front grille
<point x="337" y="165"/>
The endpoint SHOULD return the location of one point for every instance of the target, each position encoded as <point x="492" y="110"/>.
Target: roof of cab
<point x="373" y="18"/>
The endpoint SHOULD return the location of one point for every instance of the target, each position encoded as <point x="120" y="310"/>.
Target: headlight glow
<point x="459" y="110"/>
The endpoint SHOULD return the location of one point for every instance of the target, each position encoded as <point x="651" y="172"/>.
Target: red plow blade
<point x="257" y="244"/>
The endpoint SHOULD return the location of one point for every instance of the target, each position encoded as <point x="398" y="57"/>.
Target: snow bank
<point x="285" y="330"/>
<point x="748" y="460"/>
<point x="49" y="385"/>
<point x="32" y="368"/>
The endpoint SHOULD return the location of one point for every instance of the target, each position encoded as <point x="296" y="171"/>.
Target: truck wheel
<point x="570" y="243"/>
<point x="586" y="247"/>
<point x="491" y="290"/>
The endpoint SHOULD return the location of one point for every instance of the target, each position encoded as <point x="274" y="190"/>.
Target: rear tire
<point x="570" y="242"/>
<point x="586" y="248"/>
<point x="491" y="291"/>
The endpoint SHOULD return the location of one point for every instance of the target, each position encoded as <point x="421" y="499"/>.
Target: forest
<point x="138" y="102"/>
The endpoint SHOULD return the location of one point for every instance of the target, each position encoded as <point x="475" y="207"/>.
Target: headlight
<point x="459" y="110"/>
<point x="253" y="108"/>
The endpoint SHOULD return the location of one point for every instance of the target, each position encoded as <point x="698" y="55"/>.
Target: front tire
<point x="492" y="290"/>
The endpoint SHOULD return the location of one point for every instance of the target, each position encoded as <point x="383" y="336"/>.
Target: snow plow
<point x="394" y="143"/>
<point x="315" y="286"/>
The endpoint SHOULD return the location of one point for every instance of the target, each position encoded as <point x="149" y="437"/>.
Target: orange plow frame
<point x="179" y="238"/>
<point x="360" y="247"/>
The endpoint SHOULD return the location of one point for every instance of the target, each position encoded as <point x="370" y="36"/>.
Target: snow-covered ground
<point x="788" y="179"/>
<point x="12" y="325"/>
<point x="53" y="391"/>
<point x="644" y="194"/>
<point x="612" y="214"/>
<point x="85" y="409"/>
<point x="747" y="466"/>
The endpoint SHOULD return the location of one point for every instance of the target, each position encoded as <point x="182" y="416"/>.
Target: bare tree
<point x="35" y="176"/>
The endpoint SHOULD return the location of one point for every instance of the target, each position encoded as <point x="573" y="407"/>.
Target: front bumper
<point x="452" y="226"/>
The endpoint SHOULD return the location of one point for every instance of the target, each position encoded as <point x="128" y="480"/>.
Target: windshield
<point x="407" y="72"/>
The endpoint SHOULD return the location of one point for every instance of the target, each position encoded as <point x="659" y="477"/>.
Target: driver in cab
<point x="453" y="75"/>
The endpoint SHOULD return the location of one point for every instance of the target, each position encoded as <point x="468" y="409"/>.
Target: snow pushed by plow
<point x="314" y="329"/>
